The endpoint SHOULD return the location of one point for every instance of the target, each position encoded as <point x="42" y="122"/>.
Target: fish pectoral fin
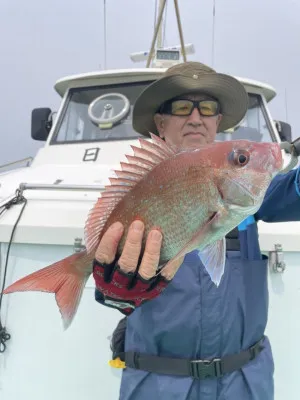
<point x="213" y="258"/>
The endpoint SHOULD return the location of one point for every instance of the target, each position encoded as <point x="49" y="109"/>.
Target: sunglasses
<point x="184" y="107"/>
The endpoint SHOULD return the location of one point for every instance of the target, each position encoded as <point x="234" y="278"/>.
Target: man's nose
<point x="195" y="117"/>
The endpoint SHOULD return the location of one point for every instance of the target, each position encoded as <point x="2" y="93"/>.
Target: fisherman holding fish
<point x="180" y="319"/>
<point x="173" y="245"/>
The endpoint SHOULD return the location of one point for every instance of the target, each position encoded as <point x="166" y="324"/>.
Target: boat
<point x="43" y="208"/>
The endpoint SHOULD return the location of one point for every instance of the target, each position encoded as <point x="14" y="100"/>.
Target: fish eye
<point x="239" y="157"/>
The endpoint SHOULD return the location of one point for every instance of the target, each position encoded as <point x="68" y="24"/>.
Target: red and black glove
<point x="124" y="291"/>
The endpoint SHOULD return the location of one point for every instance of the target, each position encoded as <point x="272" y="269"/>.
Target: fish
<point x="194" y="197"/>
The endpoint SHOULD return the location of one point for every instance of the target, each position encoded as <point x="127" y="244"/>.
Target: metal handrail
<point x="16" y="162"/>
<point x="53" y="186"/>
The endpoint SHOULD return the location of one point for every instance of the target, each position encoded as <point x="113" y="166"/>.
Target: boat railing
<point x="59" y="186"/>
<point x="12" y="164"/>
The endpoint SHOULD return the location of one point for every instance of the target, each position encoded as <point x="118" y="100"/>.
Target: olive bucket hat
<point x="191" y="77"/>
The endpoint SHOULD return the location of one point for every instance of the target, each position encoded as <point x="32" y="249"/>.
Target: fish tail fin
<point x="65" y="278"/>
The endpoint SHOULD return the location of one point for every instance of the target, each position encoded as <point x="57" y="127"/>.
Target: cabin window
<point x="255" y="126"/>
<point x="98" y="114"/>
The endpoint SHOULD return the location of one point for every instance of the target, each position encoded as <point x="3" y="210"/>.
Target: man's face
<point x="188" y="131"/>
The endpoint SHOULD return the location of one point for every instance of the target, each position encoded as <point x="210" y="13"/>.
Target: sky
<point x="40" y="42"/>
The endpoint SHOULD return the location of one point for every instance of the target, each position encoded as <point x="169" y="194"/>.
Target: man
<point x="177" y="318"/>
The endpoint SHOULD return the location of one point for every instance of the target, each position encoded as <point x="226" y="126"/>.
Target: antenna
<point x="286" y="104"/>
<point x="213" y="35"/>
<point x="104" y="27"/>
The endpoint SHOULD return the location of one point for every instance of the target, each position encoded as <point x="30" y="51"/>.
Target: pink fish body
<point x="195" y="197"/>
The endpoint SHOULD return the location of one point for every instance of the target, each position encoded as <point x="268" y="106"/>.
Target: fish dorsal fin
<point x="145" y="158"/>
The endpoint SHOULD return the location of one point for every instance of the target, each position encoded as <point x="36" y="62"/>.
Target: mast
<point x="159" y="35"/>
<point x="168" y="55"/>
<point x="158" y="31"/>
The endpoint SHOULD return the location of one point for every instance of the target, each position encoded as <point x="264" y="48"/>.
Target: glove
<point x="124" y="291"/>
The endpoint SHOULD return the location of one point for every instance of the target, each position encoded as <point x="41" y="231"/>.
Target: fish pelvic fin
<point x="144" y="159"/>
<point x="213" y="257"/>
<point x="65" y="278"/>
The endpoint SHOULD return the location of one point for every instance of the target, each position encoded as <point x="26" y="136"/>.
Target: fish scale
<point x="177" y="220"/>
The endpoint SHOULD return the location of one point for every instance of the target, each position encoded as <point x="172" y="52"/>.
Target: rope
<point x="4" y="336"/>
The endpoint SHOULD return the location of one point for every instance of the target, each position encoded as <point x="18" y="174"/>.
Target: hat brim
<point x="230" y="93"/>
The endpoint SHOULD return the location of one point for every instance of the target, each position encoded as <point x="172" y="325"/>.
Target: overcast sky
<point x="42" y="41"/>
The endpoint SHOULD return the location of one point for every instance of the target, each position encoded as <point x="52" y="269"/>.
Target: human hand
<point x="125" y="283"/>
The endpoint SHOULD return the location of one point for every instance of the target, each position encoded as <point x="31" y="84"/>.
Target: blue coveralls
<point x="194" y="319"/>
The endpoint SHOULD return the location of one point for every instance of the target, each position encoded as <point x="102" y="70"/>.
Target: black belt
<point x="198" y="369"/>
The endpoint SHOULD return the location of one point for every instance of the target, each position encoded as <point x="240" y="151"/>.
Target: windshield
<point x="105" y="113"/>
<point x="99" y="114"/>
<point x="255" y="125"/>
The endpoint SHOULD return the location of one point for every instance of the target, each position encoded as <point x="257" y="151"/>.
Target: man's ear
<point x="219" y="119"/>
<point x="159" y="122"/>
